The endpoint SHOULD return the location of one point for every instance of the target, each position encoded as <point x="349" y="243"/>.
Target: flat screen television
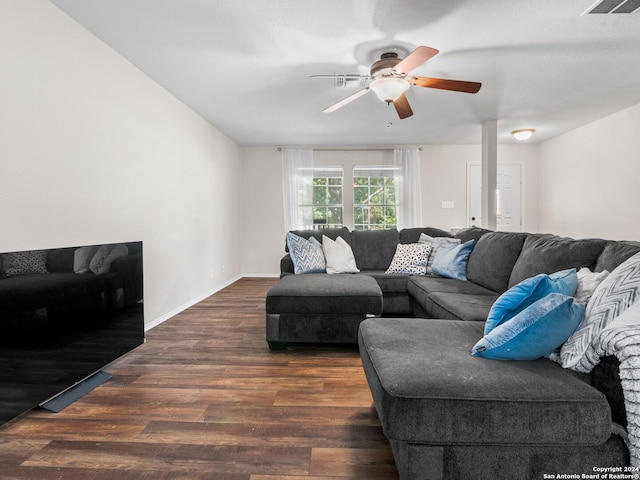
<point x="65" y="313"/>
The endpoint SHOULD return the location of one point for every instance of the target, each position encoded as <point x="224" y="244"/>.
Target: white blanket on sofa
<point x="622" y="340"/>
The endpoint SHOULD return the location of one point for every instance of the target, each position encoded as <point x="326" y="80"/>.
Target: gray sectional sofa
<point x="446" y="413"/>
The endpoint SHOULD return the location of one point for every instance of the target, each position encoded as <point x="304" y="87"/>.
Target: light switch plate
<point x="447" y="204"/>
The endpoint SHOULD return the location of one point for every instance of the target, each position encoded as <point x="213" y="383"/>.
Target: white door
<point x="508" y="197"/>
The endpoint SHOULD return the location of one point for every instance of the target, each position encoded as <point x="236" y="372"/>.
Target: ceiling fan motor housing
<point x="385" y="66"/>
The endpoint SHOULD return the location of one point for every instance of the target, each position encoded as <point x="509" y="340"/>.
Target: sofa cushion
<point x="471" y="233"/>
<point x="535" y="332"/>
<point x="322" y="293"/>
<point x="412" y="235"/>
<point x="529" y="291"/>
<point x="421" y="287"/>
<point x="548" y="253"/>
<point x="427" y="388"/>
<point x="492" y="259"/>
<point x="374" y="249"/>
<point x="389" y="282"/>
<point x="614" y="253"/>
<point x="451" y="260"/>
<point x="459" y="306"/>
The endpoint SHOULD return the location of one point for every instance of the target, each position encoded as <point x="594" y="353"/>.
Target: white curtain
<point x="406" y="163"/>
<point x="297" y="179"/>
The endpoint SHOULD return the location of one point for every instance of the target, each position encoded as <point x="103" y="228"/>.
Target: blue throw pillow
<point x="307" y="255"/>
<point x="451" y="260"/>
<point x="535" y="332"/>
<point x="520" y="296"/>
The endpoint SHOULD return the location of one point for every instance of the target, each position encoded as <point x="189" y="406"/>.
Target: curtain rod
<point x="351" y="149"/>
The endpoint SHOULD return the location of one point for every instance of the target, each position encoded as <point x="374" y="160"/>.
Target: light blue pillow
<point x="307" y="255"/>
<point x="535" y="332"/>
<point x="520" y="296"/>
<point x="451" y="260"/>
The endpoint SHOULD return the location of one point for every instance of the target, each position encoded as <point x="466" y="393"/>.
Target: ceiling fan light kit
<point x="390" y="79"/>
<point x="523" y="133"/>
<point x="389" y="89"/>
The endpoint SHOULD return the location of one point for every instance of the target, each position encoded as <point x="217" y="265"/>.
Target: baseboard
<point x="190" y="303"/>
<point x="78" y="390"/>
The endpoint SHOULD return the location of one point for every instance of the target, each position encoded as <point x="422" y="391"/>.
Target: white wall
<point x="93" y="151"/>
<point x="444" y="177"/>
<point x="588" y="179"/>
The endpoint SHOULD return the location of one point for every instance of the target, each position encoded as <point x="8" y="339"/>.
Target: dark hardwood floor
<point x="204" y="398"/>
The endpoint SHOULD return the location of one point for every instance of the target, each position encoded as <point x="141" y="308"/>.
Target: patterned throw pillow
<point x="612" y="297"/>
<point x="105" y="256"/>
<point x="410" y="258"/>
<point x="22" y="263"/>
<point x="307" y="255"/>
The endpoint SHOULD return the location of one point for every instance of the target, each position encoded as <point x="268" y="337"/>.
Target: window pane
<point x="360" y="195"/>
<point x="377" y="197"/>
<point x="334" y="195"/>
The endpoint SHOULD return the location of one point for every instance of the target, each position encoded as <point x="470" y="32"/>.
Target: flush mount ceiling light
<point x="389" y="89"/>
<point x="523" y="133"/>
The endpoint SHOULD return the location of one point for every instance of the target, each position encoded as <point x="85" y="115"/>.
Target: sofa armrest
<point x="286" y="265"/>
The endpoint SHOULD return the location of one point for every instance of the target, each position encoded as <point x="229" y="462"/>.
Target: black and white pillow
<point x="23" y="263"/>
<point x="410" y="258"/>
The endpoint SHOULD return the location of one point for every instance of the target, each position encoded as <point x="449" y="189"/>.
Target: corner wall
<point x="588" y="179"/>
<point x="93" y="151"/>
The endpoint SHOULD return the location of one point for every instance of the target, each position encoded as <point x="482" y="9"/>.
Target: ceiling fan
<point x="390" y="79"/>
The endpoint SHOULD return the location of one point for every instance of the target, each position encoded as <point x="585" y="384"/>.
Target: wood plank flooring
<point x="204" y="398"/>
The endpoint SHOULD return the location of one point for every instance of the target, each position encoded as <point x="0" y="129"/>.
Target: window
<point x="374" y="199"/>
<point x="325" y="204"/>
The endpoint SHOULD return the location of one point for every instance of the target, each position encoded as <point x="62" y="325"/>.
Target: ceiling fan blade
<point x="415" y="58"/>
<point x="344" y="101"/>
<point x="444" y="84"/>
<point x="402" y="106"/>
<point x="340" y="75"/>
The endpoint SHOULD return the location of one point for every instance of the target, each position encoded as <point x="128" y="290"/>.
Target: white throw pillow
<point x="612" y="297"/>
<point x="82" y="258"/>
<point x="436" y="242"/>
<point x="338" y="256"/>
<point x="588" y="281"/>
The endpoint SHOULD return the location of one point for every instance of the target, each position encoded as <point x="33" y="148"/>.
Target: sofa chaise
<point x="449" y="414"/>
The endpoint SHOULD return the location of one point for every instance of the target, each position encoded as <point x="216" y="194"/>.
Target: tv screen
<point x="64" y="314"/>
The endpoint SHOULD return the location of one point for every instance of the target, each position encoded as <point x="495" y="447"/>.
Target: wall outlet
<point x="448" y="204"/>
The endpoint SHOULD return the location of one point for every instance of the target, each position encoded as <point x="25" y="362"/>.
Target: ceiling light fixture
<point x="523" y="133"/>
<point x="389" y="89"/>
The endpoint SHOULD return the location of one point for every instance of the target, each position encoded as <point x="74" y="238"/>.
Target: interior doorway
<point x="508" y="197"/>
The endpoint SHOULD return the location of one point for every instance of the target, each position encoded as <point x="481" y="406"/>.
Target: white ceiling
<point x="244" y="65"/>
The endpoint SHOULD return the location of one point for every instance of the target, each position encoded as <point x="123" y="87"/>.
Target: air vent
<point x="614" y="6"/>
